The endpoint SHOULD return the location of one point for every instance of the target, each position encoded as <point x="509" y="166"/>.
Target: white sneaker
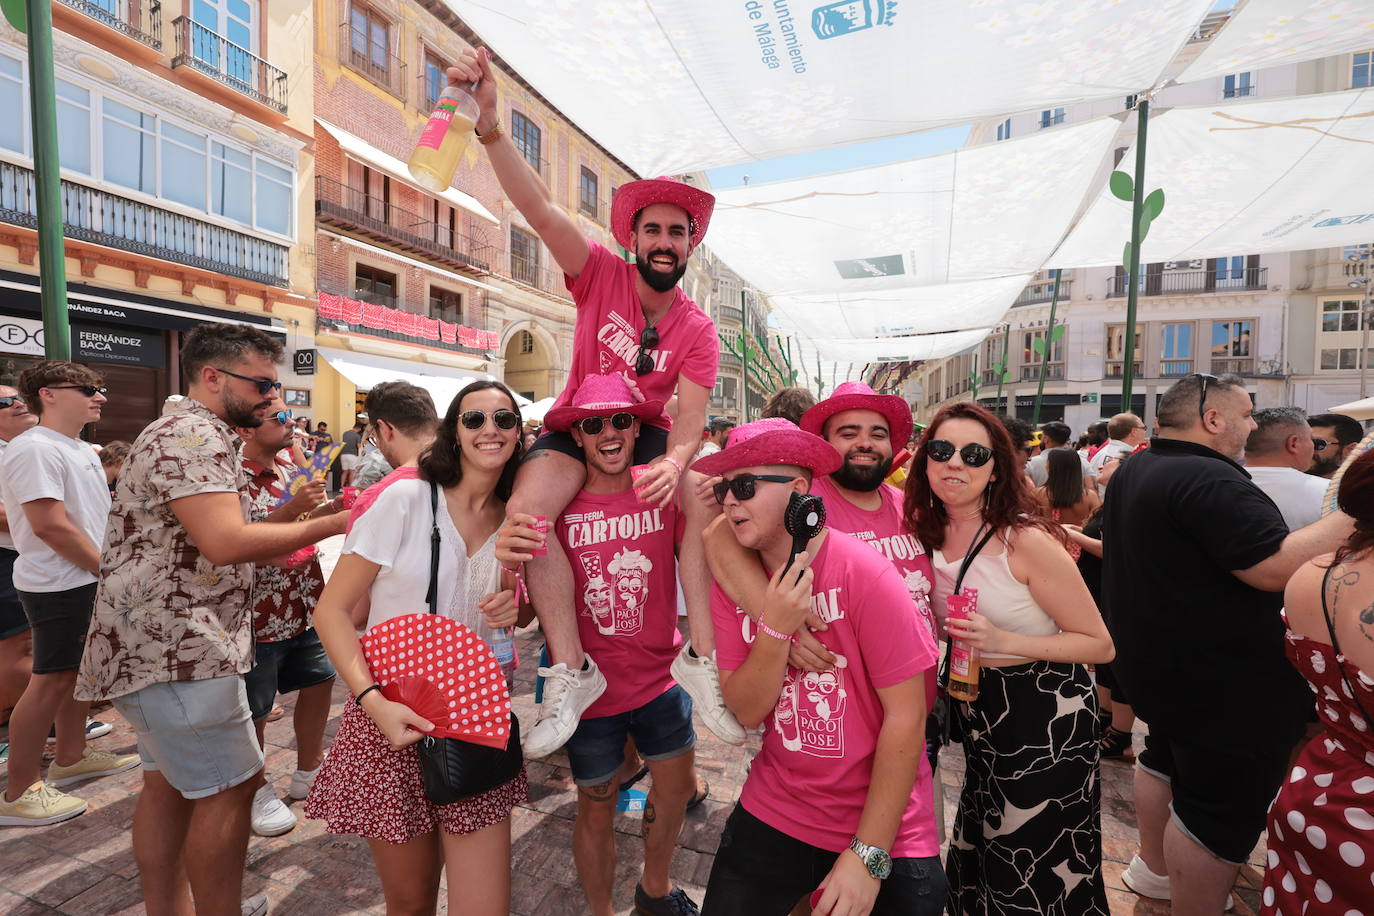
<point x="1138" y="877"/>
<point x="301" y="783"/>
<point x="270" y="816"/>
<point x="567" y="694"/>
<point x="698" y="676"/>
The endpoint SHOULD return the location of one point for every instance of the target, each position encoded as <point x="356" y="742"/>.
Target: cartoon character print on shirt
<point x="785" y="713"/>
<point x="621" y="338"/>
<point x="820" y="699"/>
<point x="596" y="594"/>
<point x="919" y="587"/>
<point x="630" y="570"/>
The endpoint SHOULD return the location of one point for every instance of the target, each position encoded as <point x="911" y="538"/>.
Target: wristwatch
<point x="877" y="861"/>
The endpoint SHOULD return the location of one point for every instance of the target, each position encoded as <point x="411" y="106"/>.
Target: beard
<point x="238" y="412"/>
<point x="1322" y="466"/>
<point x="659" y="281"/>
<point x="862" y="480"/>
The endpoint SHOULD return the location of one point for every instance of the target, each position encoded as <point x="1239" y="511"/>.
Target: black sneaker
<point x="676" y="903"/>
<point x="94" y="729"/>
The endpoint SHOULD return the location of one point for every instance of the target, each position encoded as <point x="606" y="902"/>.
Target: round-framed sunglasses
<point x="592" y="426"/>
<point x="476" y="419"/>
<point x="745" y="485"/>
<point x="973" y="454"/>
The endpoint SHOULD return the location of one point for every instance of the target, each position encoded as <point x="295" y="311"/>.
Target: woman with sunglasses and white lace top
<point x="370" y="783"/>
<point x="1027" y="835"/>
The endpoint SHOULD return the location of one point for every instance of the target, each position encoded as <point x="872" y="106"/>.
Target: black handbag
<point x="453" y="769"/>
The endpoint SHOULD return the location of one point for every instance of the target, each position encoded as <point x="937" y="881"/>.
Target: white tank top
<point x="1002" y="599"/>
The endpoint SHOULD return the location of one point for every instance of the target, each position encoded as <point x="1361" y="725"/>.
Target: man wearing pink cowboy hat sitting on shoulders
<point x="830" y="801"/>
<point x="631" y="319"/>
<point x="625" y="571"/>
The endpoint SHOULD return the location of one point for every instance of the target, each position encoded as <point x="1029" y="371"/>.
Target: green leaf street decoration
<point x="1145" y="209"/>
<point x="973" y="383"/>
<point x="1038" y="345"/>
<point x="1154" y="203"/>
<point x="17" y="15"/>
<point x="1057" y="332"/>
<point x="1122" y="186"/>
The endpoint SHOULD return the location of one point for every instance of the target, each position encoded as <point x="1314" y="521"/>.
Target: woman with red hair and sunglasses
<point x="1027" y="834"/>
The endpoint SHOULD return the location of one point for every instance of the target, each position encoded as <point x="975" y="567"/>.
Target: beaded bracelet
<point x="776" y="634"/>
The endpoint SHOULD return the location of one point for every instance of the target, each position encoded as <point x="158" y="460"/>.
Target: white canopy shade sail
<point x="1362" y="409"/>
<point x="367" y="371"/>
<point x="678" y="85"/>
<point x="1245" y="178"/>
<point x="994" y="210"/>
<point x="1268" y="33"/>
<point x="898" y="349"/>
<point x="537" y="409"/>
<point x="918" y="310"/>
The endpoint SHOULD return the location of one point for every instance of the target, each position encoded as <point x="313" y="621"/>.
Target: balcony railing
<point x="1244" y="365"/>
<point x="336" y="326"/>
<point x="378" y="65"/>
<point x="527" y="271"/>
<point x="1183" y="282"/>
<point x="217" y="57"/>
<point x="1038" y="294"/>
<point x="1115" y="368"/>
<point x="1238" y="92"/>
<point x="141" y="21"/>
<point x="337" y="204"/>
<point x="1171" y="368"/>
<point x="728" y="313"/>
<point x="1055" y="373"/>
<point x="117" y="222"/>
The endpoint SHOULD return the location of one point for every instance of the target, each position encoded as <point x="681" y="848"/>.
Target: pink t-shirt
<point x="887" y="532"/>
<point x="811" y="778"/>
<point x="624" y="563"/>
<point x="606" y="335"/>
<point x="369" y="496"/>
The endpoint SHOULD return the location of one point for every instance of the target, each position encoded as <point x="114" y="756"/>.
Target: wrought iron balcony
<point x="1244" y="365"/>
<point x="337" y="204"/>
<point x="731" y="315"/>
<point x="1185" y="282"/>
<point x="1173" y="368"/>
<point x="372" y="61"/>
<point x="1116" y="368"/>
<point x="140" y="20"/>
<point x="207" y="52"/>
<point x="92" y="215"/>
<point x="1031" y="373"/>
<point x="1034" y="295"/>
<point x="527" y="271"/>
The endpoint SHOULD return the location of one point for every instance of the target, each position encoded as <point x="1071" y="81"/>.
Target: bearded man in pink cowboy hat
<point x="631" y="319"/>
<point x="846" y="742"/>
<point x="866" y="428"/>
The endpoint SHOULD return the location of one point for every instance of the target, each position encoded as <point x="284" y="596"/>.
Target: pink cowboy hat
<point x="771" y="441"/>
<point x="601" y="396"/>
<point x="858" y="396"/>
<point x="634" y="196"/>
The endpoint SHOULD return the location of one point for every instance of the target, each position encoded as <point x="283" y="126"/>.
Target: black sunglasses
<point x="644" y="363"/>
<point x="973" y="454"/>
<point x="1318" y="445"/>
<point x="1202" y="393"/>
<point x="744" y="486"/>
<point x="89" y="391"/>
<point x="265" y="386"/>
<point x="9" y="401"/>
<point x="592" y="426"/>
<point x="476" y="419"/>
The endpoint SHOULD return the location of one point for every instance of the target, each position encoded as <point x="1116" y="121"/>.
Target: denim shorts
<point x="662" y="729"/>
<point x="285" y="666"/>
<point x="13" y="620"/>
<point x="60" y="621"/>
<point x="197" y="734"/>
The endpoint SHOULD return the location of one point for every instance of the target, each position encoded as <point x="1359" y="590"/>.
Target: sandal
<point x="1115" y="744"/>
<point x="629" y="783"/>
<point x="699" y="796"/>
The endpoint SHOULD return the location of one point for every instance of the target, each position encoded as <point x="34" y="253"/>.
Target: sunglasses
<point x="592" y="426"/>
<point x="1318" y="445"/>
<point x="265" y="386"/>
<point x="1202" y="393"/>
<point x="89" y="391"/>
<point x="973" y="454"/>
<point x="745" y="486"/>
<point x="282" y="416"/>
<point x="476" y="419"/>
<point x="9" y="401"/>
<point x="648" y="339"/>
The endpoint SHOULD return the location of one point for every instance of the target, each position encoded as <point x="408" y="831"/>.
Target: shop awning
<point x="366" y="371"/>
<point x="359" y="148"/>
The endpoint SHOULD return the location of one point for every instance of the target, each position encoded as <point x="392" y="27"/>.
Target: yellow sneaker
<point x="39" y="805"/>
<point x="95" y="763"/>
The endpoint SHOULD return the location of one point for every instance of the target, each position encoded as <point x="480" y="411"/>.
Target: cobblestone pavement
<point x="86" y="866"/>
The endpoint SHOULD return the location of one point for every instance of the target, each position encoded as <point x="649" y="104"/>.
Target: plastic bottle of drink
<point x="502" y="642"/>
<point x="963" y="658"/>
<point x="443" y="140"/>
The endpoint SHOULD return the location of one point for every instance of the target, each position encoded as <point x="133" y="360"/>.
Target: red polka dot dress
<point x="1321" y="825"/>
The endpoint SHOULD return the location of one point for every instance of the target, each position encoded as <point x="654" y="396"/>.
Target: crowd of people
<point x="870" y="593"/>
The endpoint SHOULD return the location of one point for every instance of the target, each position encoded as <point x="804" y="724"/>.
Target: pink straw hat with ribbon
<point x="634" y="196"/>
<point x="771" y="441"/>
<point x="601" y="396"/>
<point x="859" y="396"/>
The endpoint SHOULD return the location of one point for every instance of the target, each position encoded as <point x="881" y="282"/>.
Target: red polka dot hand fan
<point x="444" y="672"/>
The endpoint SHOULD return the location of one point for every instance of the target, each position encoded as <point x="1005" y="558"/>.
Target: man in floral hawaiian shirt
<point x="289" y="656"/>
<point x="172" y="631"/>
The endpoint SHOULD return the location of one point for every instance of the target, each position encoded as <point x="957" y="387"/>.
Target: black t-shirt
<point x="1199" y="652"/>
<point x="351" y="440"/>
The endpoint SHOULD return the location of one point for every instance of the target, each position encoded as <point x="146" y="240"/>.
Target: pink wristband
<point x="776" y="634"/>
<point x="674" y="463"/>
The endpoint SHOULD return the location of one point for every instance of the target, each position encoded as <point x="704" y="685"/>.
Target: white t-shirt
<point x="6" y="539"/>
<point x="1039" y="470"/>
<point x="42" y="464"/>
<point x="1114" y="448"/>
<point x="1299" y="496"/>
<point x="396" y="536"/>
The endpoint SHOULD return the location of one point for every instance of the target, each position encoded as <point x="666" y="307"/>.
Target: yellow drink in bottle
<point x="443" y="140"/>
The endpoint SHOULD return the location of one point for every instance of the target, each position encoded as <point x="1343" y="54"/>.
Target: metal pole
<point x="1133" y="269"/>
<point x="52" y="267"/>
<point x="744" y="358"/>
<point x="1049" y="342"/>
<point x="1002" y="368"/>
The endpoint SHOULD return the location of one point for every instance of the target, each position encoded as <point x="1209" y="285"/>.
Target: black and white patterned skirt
<point x="1027" y="836"/>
